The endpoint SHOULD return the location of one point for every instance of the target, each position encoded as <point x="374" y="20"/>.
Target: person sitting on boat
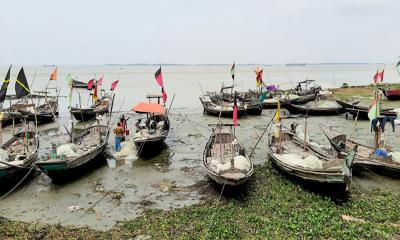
<point x="119" y="134"/>
<point x="138" y="126"/>
<point x="153" y="126"/>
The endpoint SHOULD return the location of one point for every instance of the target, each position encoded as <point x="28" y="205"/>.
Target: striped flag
<point x="114" y="85"/>
<point x="21" y="85"/>
<point x="258" y="76"/>
<point x="158" y="76"/>
<point x="374" y="110"/>
<point x="233" y="71"/>
<point x="4" y="87"/>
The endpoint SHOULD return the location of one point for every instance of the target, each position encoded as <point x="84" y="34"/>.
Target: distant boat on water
<point x="295" y="64"/>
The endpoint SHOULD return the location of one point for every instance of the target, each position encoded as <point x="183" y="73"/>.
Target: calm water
<point x="172" y="178"/>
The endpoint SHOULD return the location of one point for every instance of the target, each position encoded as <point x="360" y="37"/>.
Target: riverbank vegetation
<point x="272" y="207"/>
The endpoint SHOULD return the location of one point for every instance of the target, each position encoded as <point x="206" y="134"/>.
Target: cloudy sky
<point x="204" y="31"/>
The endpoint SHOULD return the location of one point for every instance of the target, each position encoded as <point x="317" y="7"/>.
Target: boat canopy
<point x="149" y="108"/>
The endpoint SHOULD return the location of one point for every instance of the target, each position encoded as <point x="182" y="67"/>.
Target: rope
<point x="252" y="151"/>
<point x="19" y="183"/>
<point x="223" y="187"/>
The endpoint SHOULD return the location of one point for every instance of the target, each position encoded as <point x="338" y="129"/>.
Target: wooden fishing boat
<point x="365" y="157"/>
<point x="250" y="105"/>
<point x="43" y="113"/>
<point x="9" y="117"/>
<point x="311" y="164"/>
<point x="302" y="88"/>
<point x="225" y="159"/>
<point x="79" y="84"/>
<point x="89" y="113"/>
<point x="392" y="94"/>
<point x="151" y="133"/>
<point x="349" y="104"/>
<point x="272" y="103"/>
<point x="74" y="158"/>
<point x="18" y="154"/>
<point x="317" y="109"/>
<point x="362" y="114"/>
<point x="222" y="109"/>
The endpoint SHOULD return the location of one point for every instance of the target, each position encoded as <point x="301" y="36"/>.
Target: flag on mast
<point x="100" y="81"/>
<point x="258" y="76"/>
<point x="374" y="110"/>
<point x="277" y="114"/>
<point x="53" y="75"/>
<point x="90" y="84"/>
<point x="4" y="87"/>
<point x="235" y="112"/>
<point x="233" y="71"/>
<point x="114" y="85"/>
<point x="21" y="85"/>
<point x="158" y="76"/>
<point x="164" y="95"/>
<point x="381" y="74"/>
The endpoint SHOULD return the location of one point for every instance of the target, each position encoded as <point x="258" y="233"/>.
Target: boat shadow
<point x="230" y="192"/>
<point x="150" y="153"/>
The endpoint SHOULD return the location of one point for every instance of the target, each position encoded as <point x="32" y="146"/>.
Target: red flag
<point x="100" y="81"/>
<point x="158" y="76"/>
<point x="164" y="95"/>
<point x="53" y="75"/>
<point x="114" y="85"/>
<point x="234" y="112"/>
<point x="90" y="84"/>
<point x="381" y="74"/>
<point x="376" y="77"/>
<point x="258" y="76"/>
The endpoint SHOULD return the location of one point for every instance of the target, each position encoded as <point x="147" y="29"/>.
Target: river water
<point x="175" y="177"/>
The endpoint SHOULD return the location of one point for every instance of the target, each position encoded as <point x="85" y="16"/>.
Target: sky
<point x="89" y="32"/>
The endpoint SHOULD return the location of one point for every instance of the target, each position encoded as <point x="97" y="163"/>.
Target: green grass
<point x="273" y="208"/>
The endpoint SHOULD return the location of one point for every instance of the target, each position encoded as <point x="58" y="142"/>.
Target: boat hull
<point x="392" y="95"/>
<point x="86" y="114"/>
<point x="296" y="109"/>
<point x="64" y="171"/>
<point x="361" y="114"/>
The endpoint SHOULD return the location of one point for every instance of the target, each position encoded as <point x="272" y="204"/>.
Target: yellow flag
<point x="277" y="114"/>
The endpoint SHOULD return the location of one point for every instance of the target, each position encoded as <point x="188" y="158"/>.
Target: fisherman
<point x="124" y="126"/>
<point x="119" y="135"/>
<point x="138" y="127"/>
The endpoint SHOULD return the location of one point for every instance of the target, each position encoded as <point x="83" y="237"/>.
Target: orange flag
<point x="53" y="75"/>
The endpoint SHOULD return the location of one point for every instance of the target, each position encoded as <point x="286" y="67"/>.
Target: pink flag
<point x="164" y="95"/>
<point x="376" y="77"/>
<point x="114" y="85"/>
<point x="100" y="81"/>
<point x="235" y="113"/>
<point x="90" y="84"/>
<point x="158" y="76"/>
<point x="381" y="74"/>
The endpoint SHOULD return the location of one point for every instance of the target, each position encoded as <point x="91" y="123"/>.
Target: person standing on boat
<point x="119" y="135"/>
<point x="124" y="126"/>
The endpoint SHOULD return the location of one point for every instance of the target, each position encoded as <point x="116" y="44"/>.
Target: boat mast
<point x="305" y="121"/>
